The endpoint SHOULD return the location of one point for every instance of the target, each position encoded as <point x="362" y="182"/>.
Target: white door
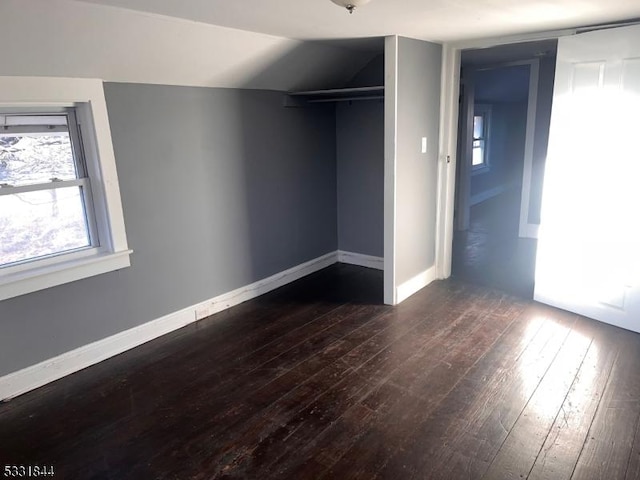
<point x="588" y="257"/>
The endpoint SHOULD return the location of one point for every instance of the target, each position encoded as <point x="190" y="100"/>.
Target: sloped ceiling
<point x="65" y="38"/>
<point x="259" y="44"/>
<point x="435" y="20"/>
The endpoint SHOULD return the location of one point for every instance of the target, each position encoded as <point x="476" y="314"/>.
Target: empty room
<point x="330" y="239"/>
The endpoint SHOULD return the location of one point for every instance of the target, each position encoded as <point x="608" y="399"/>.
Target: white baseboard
<point x="418" y="282"/>
<point x="361" y="260"/>
<point x="529" y="230"/>
<point x="67" y="363"/>
<point x="35" y="376"/>
<point x="487" y="194"/>
<point x="235" y="297"/>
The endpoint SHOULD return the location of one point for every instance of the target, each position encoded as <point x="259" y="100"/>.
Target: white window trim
<point x="87" y="95"/>
<point x="485" y="109"/>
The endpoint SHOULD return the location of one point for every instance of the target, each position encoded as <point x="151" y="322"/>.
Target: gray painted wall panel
<point x="220" y="188"/>
<point x="418" y="115"/>
<point x="371" y="75"/>
<point x="506" y="148"/>
<point x="360" y="164"/>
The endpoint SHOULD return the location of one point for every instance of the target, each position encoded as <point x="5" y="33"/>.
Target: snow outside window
<point x="60" y="211"/>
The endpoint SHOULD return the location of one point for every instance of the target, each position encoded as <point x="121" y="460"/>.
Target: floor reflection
<point x="569" y="372"/>
<point x="491" y="253"/>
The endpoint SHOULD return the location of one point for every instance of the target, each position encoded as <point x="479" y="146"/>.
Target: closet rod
<point x="346" y="99"/>
<point x="339" y="90"/>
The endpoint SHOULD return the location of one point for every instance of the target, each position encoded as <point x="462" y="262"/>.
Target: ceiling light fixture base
<point x="351" y="5"/>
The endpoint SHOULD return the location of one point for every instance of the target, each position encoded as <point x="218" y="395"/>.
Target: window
<point x="60" y="212"/>
<point x="45" y="194"/>
<point x="481" y="121"/>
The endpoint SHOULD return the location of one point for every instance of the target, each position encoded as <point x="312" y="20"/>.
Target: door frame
<point x="525" y="229"/>
<point x="465" y="130"/>
<point x="448" y="159"/>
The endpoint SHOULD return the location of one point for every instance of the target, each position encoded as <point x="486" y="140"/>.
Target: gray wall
<point x="220" y="188"/>
<point x="506" y="148"/>
<point x="418" y="115"/>
<point x="371" y="75"/>
<point x="506" y="90"/>
<point x="360" y="165"/>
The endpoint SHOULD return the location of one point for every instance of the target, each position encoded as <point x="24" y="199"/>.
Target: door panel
<point x="588" y="252"/>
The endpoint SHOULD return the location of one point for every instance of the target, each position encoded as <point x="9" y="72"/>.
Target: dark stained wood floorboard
<point x="399" y="382"/>
<point x="258" y="323"/>
<point x="145" y="375"/>
<point x="205" y="414"/>
<point x="307" y="390"/>
<point x="517" y="454"/>
<point x="444" y="443"/>
<point x="633" y="468"/>
<point x="562" y="446"/>
<point x="393" y="402"/>
<point x="608" y="447"/>
<point x="417" y="388"/>
<point x="469" y="453"/>
<point x="216" y="416"/>
<point x="320" y="380"/>
<point x="341" y="388"/>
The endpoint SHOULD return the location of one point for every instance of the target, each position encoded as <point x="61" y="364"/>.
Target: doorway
<point x="505" y="109"/>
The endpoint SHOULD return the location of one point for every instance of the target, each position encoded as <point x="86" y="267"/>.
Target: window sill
<point x="40" y="277"/>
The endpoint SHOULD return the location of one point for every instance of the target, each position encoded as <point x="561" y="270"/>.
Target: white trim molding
<point x="416" y="283"/>
<point x="45" y="276"/>
<point x="242" y="294"/>
<point x="361" y="260"/>
<point x="530" y="230"/>
<point x="448" y="144"/>
<point x="87" y="97"/>
<point x="525" y="227"/>
<point x="449" y="132"/>
<point x="390" y="153"/>
<point x="35" y="376"/>
<point x="73" y="361"/>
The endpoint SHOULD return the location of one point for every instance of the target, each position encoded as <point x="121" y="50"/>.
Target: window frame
<point x="484" y="110"/>
<point x="86" y="96"/>
<point x="81" y="180"/>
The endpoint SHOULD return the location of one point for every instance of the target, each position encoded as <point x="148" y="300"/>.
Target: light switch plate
<point x="424" y="144"/>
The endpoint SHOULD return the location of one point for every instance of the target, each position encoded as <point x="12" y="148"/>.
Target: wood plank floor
<point x="491" y="252"/>
<point x="320" y="380"/>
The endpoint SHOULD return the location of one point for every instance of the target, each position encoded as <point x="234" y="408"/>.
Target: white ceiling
<point x="436" y="20"/>
<point x="65" y="38"/>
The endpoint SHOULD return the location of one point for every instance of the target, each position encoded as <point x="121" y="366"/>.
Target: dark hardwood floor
<point x="320" y="380"/>
<point x="490" y="251"/>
